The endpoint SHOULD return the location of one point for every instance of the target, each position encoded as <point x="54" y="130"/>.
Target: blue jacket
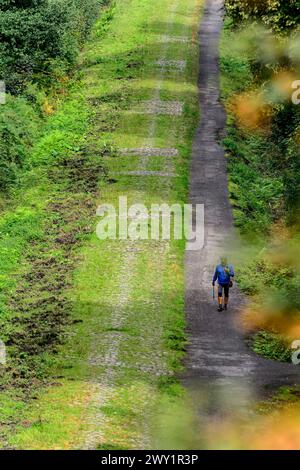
<point x="223" y="274"/>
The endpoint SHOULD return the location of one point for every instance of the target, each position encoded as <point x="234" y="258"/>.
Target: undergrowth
<point x="263" y="166"/>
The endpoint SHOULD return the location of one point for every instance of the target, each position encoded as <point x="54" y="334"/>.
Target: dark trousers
<point x="225" y="288"/>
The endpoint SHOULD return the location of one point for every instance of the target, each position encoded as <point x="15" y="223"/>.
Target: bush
<point x="264" y="163"/>
<point x="37" y="36"/>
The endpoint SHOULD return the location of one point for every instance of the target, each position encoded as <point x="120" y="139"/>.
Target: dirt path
<point x="218" y="361"/>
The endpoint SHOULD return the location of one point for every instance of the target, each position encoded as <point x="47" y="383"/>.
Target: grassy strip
<point x="122" y="307"/>
<point x="283" y="399"/>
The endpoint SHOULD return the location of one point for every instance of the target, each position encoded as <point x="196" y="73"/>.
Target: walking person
<point x="223" y="274"/>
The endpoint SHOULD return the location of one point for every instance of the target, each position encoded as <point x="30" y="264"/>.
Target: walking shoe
<point x="220" y="309"/>
<point x="225" y="307"/>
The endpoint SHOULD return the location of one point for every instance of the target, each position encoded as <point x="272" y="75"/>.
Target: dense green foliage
<point x="256" y="185"/>
<point x="41" y="37"/>
<point x="265" y="160"/>
<point x="272" y="346"/>
<point x="265" y="172"/>
<point x="19" y="127"/>
<point x="259" y="64"/>
<point x="60" y="300"/>
<point x="280" y="15"/>
<point x="39" y="44"/>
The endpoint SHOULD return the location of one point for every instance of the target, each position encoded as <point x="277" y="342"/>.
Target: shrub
<point x="38" y="35"/>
